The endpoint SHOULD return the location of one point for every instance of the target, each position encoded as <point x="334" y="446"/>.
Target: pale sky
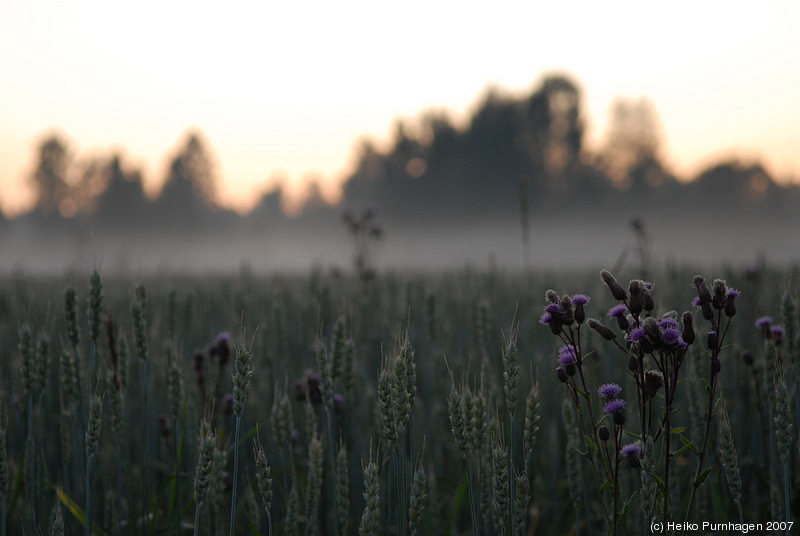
<point x="286" y="89"/>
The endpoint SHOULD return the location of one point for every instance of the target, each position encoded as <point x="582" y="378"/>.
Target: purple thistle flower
<point x="667" y="322"/>
<point x="733" y="293"/>
<point x="614" y="406"/>
<point x="683" y="345"/>
<point x="617" y="310"/>
<point x="580" y="299"/>
<point x="609" y="390"/>
<point x="545" y="318"/>
<point x="696" y="301"/>
<point x="552" y="308"/>
<point x="631" y="448"/>
<point x="566" y="356"/>
<point x="763" y="322"/>
<point x="637" y="334"/>
<point x="670" y="336"/>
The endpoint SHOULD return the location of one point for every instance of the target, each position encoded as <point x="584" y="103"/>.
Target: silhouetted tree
<point x="191" y="174"/>
<point x="50" y="178"/>
<point x="633" y="142"/>
<point x="123" y="203"/>
<point x="189" y="190"/>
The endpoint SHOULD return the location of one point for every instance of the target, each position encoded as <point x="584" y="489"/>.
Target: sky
<point x="283" y="92"/>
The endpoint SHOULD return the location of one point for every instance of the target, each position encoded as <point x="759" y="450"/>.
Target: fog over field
<point x="514" y="188"/>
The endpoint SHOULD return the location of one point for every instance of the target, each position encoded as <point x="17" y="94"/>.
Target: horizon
<point x="722" y="90"/>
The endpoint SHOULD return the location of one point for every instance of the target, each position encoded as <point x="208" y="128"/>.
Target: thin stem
<point x="31" y="458"/>
<point x="512" y="481"/>
<point x="397" y="490"/>
<point x="786" y="493"/>
<point x="235" y="472"/>
<point x="143" y="424"/>
<point x="175" y="434"/>
<point x="88" y="524"/>
<point x="197" y="519"/>
<point x="472" y="510"/>
<point x="118" y="449"/>
<point x="617" y="441"/>
<point x="702" y="454"/>
<point x="332" y="493"/>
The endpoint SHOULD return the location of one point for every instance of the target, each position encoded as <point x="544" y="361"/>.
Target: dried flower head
<point x="653" y="381"/>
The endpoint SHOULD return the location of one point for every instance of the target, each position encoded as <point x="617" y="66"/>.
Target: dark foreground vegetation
<point x="467" y="402"/>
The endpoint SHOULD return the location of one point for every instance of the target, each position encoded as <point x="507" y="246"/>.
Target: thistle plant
<point x="655" y="348"/>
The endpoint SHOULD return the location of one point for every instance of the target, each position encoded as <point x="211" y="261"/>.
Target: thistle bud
<point x="604" y="331"/>
<point x="603" y="433"/>
<point x="567" y="310"/>
<point x="616" y="289"/>
<point x="713" y="340"/>
<point x="579" y="301"/>
<point x="716" y="366"/>
<point x="702" y="290"/>
<point x="551" y="296"/>
<point x="708" y="313"/>
<point x="652" y="330"/>
<point x="720" y="290"/>
<point x="649" y="304"/>
<point x="562" y="374"/>
<point x="636" y="303"/>
<point x="619" y="417"/>
<point x="633" y="363"/>
<point x="653" y="381"/>
<point x="688" y="334"/>
<point x="580" y="314"/>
